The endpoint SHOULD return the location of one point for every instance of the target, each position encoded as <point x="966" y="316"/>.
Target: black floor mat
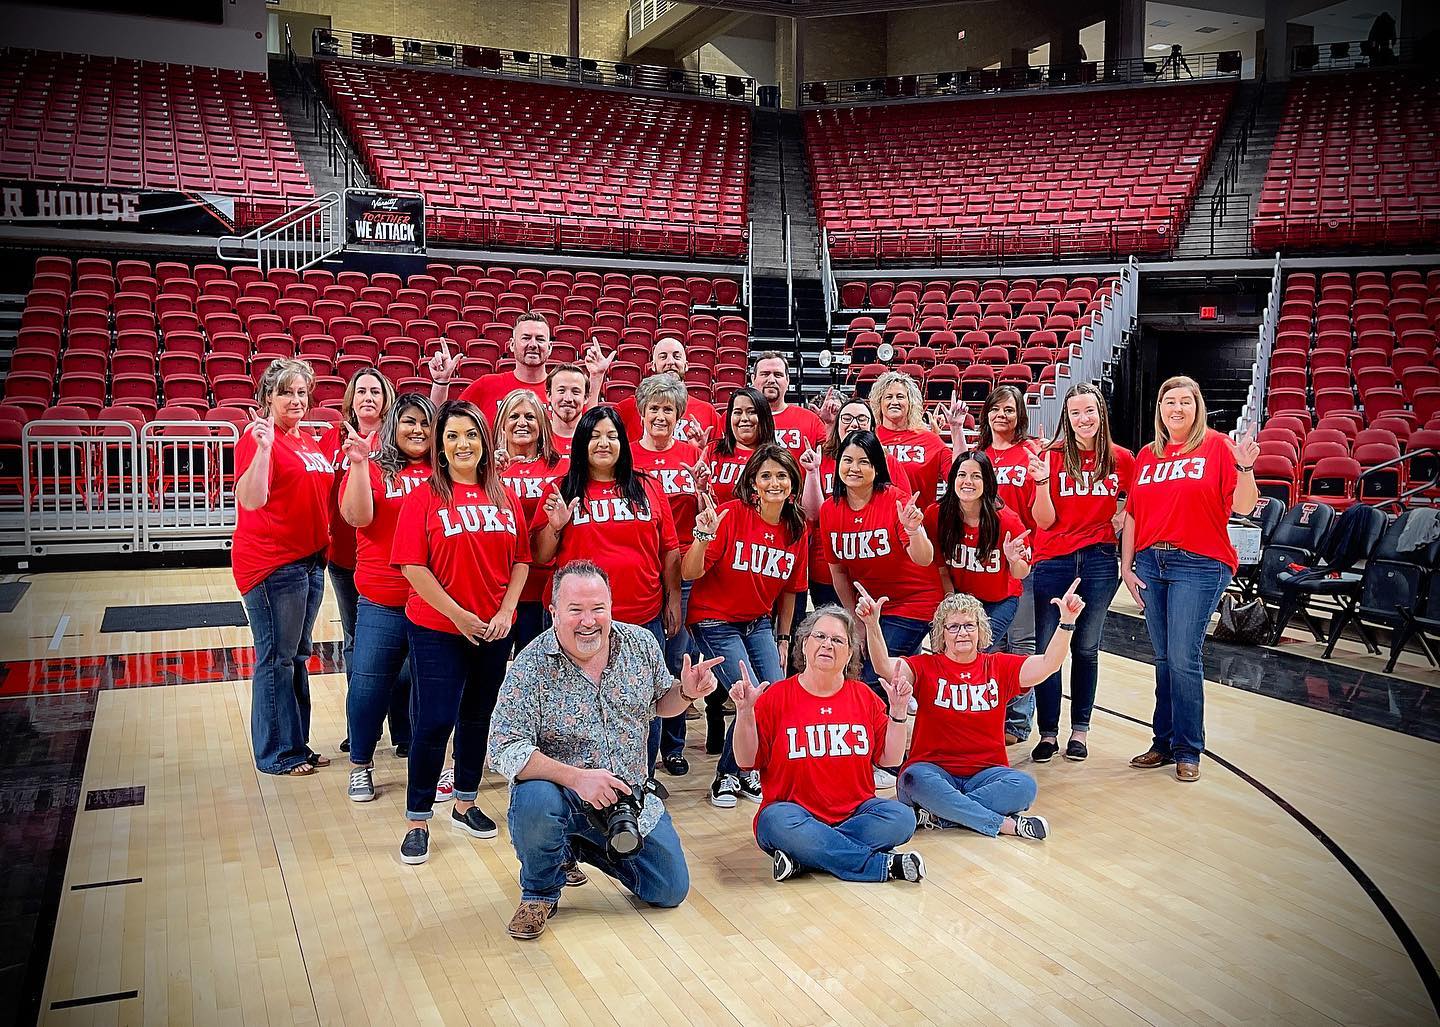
<point x="173" y="617"/>
<point x="10" y="593"/>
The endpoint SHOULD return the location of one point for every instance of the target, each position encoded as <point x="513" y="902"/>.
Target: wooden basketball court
<point x="1295" y="883"/>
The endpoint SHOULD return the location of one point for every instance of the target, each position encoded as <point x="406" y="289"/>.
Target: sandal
<point x="316" y="760"/>
<point x="301" y="770"/>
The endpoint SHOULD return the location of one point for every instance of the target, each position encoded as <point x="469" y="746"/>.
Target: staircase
<point x="319" y="140"/>
<point x="799" y="204"/>
<point x="12" y="306"/>
<point x="1223" y="228"/>
<point x="767" y="224"/>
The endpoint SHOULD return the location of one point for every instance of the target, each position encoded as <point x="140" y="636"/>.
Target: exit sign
<point x="1207" y="313"/>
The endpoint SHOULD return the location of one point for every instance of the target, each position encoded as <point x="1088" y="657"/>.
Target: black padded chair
<point x="1353" y="538"/>
<point x="1296" y="539"/>
<point x="1266" y="516"/>
<point x="1393" y="593"/>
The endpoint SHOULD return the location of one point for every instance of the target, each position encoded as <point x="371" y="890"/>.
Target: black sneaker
<point x="473" y="822"/>
<point x="402" y="751"/>
<point x="724" y="790"/>
<point x="1032" y="827"/>
<point x="750" y="786"/>
<point x="1076" y="752"/>
<point x="1045" y="751"/>
<point x="676" y="765"/>
<point x="415" y="849"/>
<point x="907" y="866"/>
<point x="345" y="745"/>
<point x="783" y="866"/>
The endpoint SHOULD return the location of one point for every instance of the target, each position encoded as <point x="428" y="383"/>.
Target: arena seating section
<point x="1113" y="170"/>
<point x="167" y="338"/>
<point x="1354" y="382"/>
<point x="968" y="334"/>
<point x="1356" y="162"/>
<point x="126" y="124"/>
<point x="476" y="145"/>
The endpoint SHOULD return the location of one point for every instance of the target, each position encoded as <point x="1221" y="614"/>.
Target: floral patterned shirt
<point x="547" y="704"/>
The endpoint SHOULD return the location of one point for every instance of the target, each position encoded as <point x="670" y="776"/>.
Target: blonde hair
<point x="916" y="417"/>
<point x="280" y="371"/>
<point x="545" y="439"/>
<point x="1197" y="430"/>
<point x="347" y="403"/>
<point x="960" y="602"/>
<point x="807" y="627"/>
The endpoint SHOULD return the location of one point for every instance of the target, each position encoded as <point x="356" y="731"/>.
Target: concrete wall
<point x="238" y="43"/>
<point x="542" y="26"/>
<point x="748" y="51"/>
<point x="850" y="47"/>
<point x="925" y="39"/>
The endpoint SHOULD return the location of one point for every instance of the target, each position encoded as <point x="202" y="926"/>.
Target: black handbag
<point x="1242" y="622"/>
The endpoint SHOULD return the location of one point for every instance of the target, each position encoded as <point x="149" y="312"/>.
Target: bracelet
<point x="1068" y="627"/>
<point x="702" y="536"/>
<point x="782" y="638"/>
<point x="1244" y="470"/>
<point x="900" y="720"/>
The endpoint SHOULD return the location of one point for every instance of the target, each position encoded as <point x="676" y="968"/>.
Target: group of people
<point x="637" y="559"/>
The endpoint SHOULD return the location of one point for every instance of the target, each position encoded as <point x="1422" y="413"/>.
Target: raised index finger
<point x="1073" y="586"/>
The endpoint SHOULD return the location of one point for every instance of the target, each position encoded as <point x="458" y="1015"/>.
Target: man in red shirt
<point x="530" y="346"/>
<point x="797" y="428"/>
<point x="668" y="356"/>
<point x="566" y="390"/>
<point x="957" y="773"/>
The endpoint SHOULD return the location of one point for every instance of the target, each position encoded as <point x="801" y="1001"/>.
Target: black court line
<point x="1419" y="958"/>
<point x="11" y="592"/>
<point x="106" y="884"/>
<point x="92" y="1000"/>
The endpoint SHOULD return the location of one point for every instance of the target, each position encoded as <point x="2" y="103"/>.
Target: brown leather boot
<point x="1151" y="759"/>
<point x="529" y="919"/>
<point x="1187" y="771"/>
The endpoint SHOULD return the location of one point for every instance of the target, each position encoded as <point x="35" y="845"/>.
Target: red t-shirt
<point x="746" y="568"/>
<point x="924" y="456"/>
<point x="528" y="479"/>
<point x="295" y="522"/>
<point x="960" y="715"/>
<point x="1186" y="500"/>
<point x="870" y="544"/>
<point x="819" y="752"/>
<point x="470" y="544"/>
<point x="630" y="545"/>
<point x="988" y="579"/>
<point x="819" y="560"/>
<point x="342" y="536"/>
<point x="376" y="578"/>
<point x="489" y="390"/>
<point x="671" y="469"/>
<point x="1012" y="478"/>
<point x="698" y="416"/>
<point x="1083" y="508"/>
<point x="795" y="426"/>
<point x="562" y="443"/>
<point x="725" y="472"/>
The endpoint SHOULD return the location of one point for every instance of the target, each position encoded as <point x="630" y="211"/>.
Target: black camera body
<point x="620" y="823"/>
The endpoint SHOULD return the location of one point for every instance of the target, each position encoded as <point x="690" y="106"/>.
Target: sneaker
<point x="529" y="919"/>
<point x="1045" y="751"/>
<point x="415" y="849"/>
<point x="402" y="751"/>
<point x="884" y="780"/>
<point x="344" y="746"/>
<point x="1012" y="739"/>
<point x="445" y="787"/>
<point x="907" y="866"/>
<point x="473" y="822"/>
<point x="1076" y="751"/>
<point x="362" y="784"/>
<point x="676" y="765"/>
<point x="724" y="790"/>
<point x="1032" y="827"/>
<point x="783" y="866"/>
<point x="750" y="786"/>
<point x="574" y="876"/>
<point x="926" y="821"/>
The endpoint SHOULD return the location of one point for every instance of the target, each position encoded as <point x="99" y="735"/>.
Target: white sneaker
<point x="884" y="780"/>
<point x="445" y="787"/>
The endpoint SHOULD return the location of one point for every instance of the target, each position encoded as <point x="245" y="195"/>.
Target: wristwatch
<point x="1067" y="627"/>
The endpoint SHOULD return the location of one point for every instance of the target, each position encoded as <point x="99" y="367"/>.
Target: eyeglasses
<point x="854" y="418"/>
<point x="961" y="629"/>
<point x="835" y="640"/>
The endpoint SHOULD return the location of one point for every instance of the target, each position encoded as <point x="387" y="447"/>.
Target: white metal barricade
<point x="80" y="485"/>
<point x="188" y="469"/>
<point x="1253" y="412"/>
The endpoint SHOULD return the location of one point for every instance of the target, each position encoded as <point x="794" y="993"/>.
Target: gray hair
<point x="662" y="386"/>
<point x="280" y="371"/>
<point x="578" y="569"/>
<point x="960" y="602"/>
<point x="807" y="628"/>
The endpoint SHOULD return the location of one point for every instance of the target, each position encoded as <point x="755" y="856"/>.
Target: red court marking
<point x="144" y="670"/>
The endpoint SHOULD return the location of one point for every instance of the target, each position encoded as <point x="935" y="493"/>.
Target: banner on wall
<point x="385" y="221"/>
<point x="73" y="205"/>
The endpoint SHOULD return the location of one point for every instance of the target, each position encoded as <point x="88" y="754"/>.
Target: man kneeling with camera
<point x="569" y="731"/>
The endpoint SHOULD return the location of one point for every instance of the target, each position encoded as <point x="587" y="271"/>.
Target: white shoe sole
<point x="413" y="861"/>
<point x="722" y="801"/>
<point x="749" y="797"/>
<point x="354" y="797"/>
<point x="467" y="829"/>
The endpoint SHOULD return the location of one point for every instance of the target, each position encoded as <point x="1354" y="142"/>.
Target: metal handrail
<point x="529" y="65"/>
<point x="1354" y="55"/>
<point x="340" y="150"/>
<point x="1253" y="410"/>
<point x="529" y="230"/>
<point x="827" y="281"/>
<point x="299" y="238"/>
<point x="749" y="278"/>
<point x="1126" y="71"/>
<point x="1405" y="494"/>
<point x="789" y="273"/>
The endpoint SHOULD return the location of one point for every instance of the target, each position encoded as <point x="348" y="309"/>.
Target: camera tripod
<point x="1174" y="64"/>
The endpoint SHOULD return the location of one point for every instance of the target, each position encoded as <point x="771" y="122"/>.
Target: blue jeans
<point x="749" y="642"/>
<point x="531" y="620"/>
<point x="1099" y="572"/>
<point x="548" y="825"/>
<point x="903" y="637"/>
<point x="281" y="610"/>
<point x="656" y="628"/>
<point x="1014" y="632"/>
<point x="672" y="729"/>
<point x="1181" y="592"/>
<point x="342" y="586"/>
<point x="379" y="680"/>
<point x="980" y="802"/>
<point x="453" y="686"/>
<point x="856" y="849"/>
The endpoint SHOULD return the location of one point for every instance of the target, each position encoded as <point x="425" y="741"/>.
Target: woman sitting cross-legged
<point x="958" y="773"/>
<point x="816" y="739"/>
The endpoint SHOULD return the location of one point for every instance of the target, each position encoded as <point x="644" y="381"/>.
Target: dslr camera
<point x="619" y="822"/>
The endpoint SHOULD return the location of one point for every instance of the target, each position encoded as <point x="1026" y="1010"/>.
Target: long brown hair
<point x="1069" y="445"/>
<point x="1022" y="419"/>
<point x="790" y="514"/>
<point x="347" y="402"/>
<point x="951" y="517"/>
<point x="1197" y="430"/>
<point x="485" y="474"/>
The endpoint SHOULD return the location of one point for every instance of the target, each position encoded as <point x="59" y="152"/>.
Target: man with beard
<point x="796" y="428"/>
<point x="530" y="346"/>
<point x="700" y="417"/>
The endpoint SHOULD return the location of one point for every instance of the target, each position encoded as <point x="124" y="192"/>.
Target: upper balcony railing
<point x="1175" y="67"/>
<point x="526" y="64"/>
<point x="1357" y="55"/>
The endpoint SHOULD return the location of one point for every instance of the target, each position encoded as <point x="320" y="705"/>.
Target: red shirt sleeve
<point x="799" y="580"/>
<point x="522" y="535"/>
<point x="412" y="541"/>
<point x="1125" y="468"/>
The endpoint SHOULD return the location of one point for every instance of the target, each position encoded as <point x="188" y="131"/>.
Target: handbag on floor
<point x="1242" y="622"/>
